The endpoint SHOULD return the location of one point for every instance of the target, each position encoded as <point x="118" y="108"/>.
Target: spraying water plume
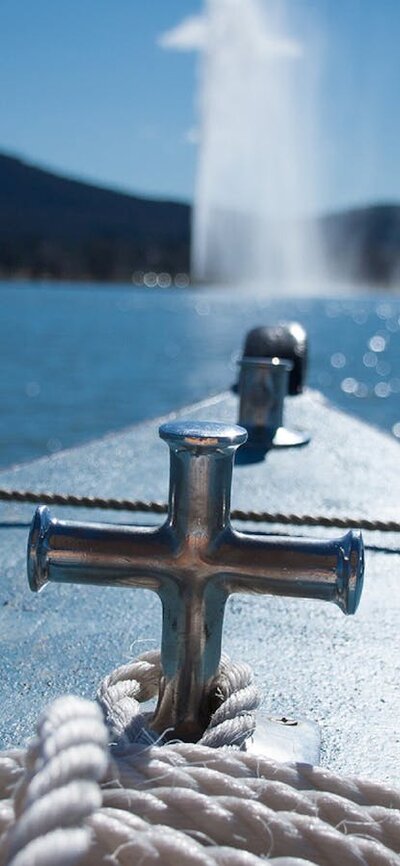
<point x="256" y="170"/>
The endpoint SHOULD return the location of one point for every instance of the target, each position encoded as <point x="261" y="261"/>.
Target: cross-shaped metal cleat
<point x="194" y="561"/>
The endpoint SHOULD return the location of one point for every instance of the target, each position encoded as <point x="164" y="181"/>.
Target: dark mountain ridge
<point x="71" y="229"/>
<point x="363" y="244"/>
<point x="58" y="227"/>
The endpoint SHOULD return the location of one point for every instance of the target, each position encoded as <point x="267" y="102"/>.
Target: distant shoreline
<point x="55" y="228"/>
<point x="330" y="289"/>
<point x="178" y="281"/>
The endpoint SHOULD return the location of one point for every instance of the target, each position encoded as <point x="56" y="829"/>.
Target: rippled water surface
<point x="79" y="361"/>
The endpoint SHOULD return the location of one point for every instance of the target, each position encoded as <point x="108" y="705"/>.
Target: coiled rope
<point x="70" y="800"/>
<point x="150" y="507"/>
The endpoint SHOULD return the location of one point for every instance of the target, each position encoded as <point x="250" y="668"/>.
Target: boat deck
<point x="309" y="660"/>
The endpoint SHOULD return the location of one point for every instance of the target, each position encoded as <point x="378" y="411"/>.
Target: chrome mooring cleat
<point x="273" y="365"/>
<point x="287" y="340"/>
<point x="194" y="561"/>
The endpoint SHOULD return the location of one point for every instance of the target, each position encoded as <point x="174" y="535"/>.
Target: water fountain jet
<point x="256" y="169"/>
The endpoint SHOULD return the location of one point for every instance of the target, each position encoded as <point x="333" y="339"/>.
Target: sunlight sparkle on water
<point x="370" y="359"/>
<point x="384" y="311"/>
<point x="377" y="343"/>
<point x="360" y="317"/>
<point x="164" y="280"/>
<point x="349" y="385"/>
<point x="338" y="360"/>
<point x="395" y="385"/>
<point x="382" y="389"/>
<point x="202" y="308"/>
<point x="383" y="368"/>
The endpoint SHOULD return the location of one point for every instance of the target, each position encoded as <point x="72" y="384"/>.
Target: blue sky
<point x="87" y="89"/>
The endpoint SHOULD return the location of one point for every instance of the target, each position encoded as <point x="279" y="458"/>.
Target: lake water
<point x="79" y="361"/>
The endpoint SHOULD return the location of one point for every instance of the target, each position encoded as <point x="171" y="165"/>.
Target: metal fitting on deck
<point x="273" y="366"/>
<point x="194" y="561"/>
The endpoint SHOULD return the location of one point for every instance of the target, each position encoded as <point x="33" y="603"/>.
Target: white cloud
<point x="189" y="35"/>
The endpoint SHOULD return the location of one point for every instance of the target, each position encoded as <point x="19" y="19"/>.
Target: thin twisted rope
<point x="152" y="507"/>
<point x="181" y="803"/>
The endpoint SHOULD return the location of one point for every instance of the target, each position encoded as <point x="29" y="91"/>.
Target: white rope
<point x="59" y="789"/>
<point x="67" y="801"/>
<point x="232" y="695"/>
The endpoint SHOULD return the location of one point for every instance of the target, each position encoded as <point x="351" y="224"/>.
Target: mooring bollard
<point x="194" y="561"/>
<point x="273" y="366"/>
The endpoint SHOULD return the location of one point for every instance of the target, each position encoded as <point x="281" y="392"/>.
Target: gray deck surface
<point x="309" y="660"/>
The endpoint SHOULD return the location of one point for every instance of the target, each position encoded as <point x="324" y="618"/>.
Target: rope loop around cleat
<point x="232" y="693"/>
